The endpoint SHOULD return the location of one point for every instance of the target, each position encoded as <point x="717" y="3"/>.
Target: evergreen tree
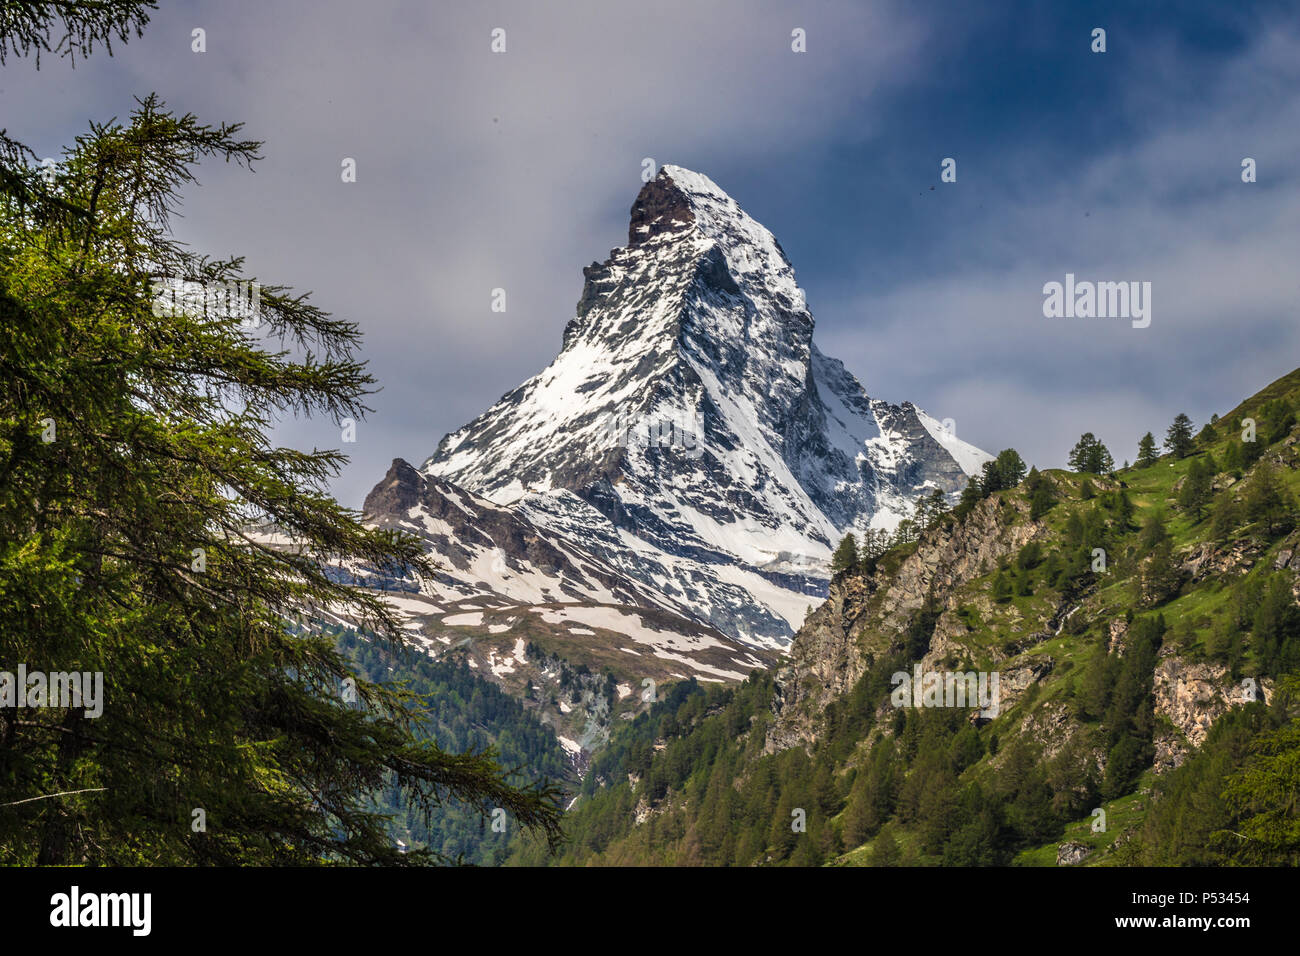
<point x="1041" y="498"/>
<point x="1178" y="440"/>
<point x="1275" y="628"/>
<point x="1147" y="454"/>
<point x="990" y="479"/>
<point x="970" y="497"/>
<point x="1195" y="492"/>
<point x="905" y="533"/>
<point x="885" y="850"/>
<point x="134" y="454"/>
<point x="930" y="509"/>
<point x="70" y="28"/>
<point x="1261" y="795"/>
<point x="1009" y="468"/>
<point x="1267" y="503"/>
<point x="1124" y="512"/>
<point x="1233" y="459"/>
<point x="845" y="558"/>
<point x="1225" y="517"/>
<point x="1277" y="421"/>
<point x="875" y="542"/>
<point x="1090" y="456"/>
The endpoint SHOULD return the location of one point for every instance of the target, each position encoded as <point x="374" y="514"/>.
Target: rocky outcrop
<point x="1072" y="854"/>
<point x="826" y="660"/>
<point x="864" y="616"/>
<point x="1117" y="637"/>
<point x="1191" y="696"/>
<point x="1208" y="560"/>
<point x="1051" y="727"/>
<point x="957" y="552"/>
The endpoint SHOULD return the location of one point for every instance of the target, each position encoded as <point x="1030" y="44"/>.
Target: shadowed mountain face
<point x="691" y="437"/>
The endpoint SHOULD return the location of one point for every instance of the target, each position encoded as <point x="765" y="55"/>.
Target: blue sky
<point x="479" y="170"/>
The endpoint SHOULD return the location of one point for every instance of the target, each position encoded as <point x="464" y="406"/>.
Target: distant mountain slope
<point x="522" y="605"/>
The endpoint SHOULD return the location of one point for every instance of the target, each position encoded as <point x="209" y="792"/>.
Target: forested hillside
<point x="461" y="713"/>
<point x="1145" y="629"/>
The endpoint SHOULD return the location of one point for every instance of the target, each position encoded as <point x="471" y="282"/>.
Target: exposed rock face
<point x="502" y="582"/>
<point x="1051" y="727"/>
<point x="482" y="547"/>
<point x="1117" y="642"/>
<point x="863" y="617"/>
<point x="1208" y="560"/>
<point x="1192" y="696"/>
<point x="1072" y="854"/>
<point x="828" y="656"/>
<point x="950" y="556"/>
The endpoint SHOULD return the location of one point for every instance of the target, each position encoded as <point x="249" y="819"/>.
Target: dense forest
<point x="461" y="713"/>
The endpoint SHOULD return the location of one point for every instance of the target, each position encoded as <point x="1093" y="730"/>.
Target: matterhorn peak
<point x="679" y="203"/>
<point x="691" y="437"/>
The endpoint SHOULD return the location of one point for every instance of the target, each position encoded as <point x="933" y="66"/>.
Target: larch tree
<point x="134" y="457"/>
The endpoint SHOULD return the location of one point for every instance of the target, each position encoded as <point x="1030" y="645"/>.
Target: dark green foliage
<point x="1030" y="556"/>
<point x="1005" y="471"/>
<point x="875" y="542"/>
<point x="1277" y="420"/>
<point x="916" y="640"/>
<point x="460" y="713"/>
<point x="1090" y="456"/>
<point x="1275" y="627"/>
<point x="930" y="509"/>
<point x="845" y="557"/>
<point x="1188" y="806"/>
<point x="1267" y="503"/>
<point x="1178" y="439"/>
<point x="135" y="451"/>
<point x="970" y="497"/>
<point x="1226" y="516"/>
<point x="68" y="28"/>
<point x="1195" y="493"/>
<point x="1263" y="824"/>
<point x="1040" y="494"/>
<point x="1147" y="454"/>
<point x="1129" y="721"/>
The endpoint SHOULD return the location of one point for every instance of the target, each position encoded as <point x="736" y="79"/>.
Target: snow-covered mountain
<point x="502" y="581"/>
<point x="690" y="437"/>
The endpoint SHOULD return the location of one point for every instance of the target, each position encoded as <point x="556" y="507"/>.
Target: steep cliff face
<point x="864" y="616"/>
<point x="948" y="570"/>
<point x="502" y="582"/>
